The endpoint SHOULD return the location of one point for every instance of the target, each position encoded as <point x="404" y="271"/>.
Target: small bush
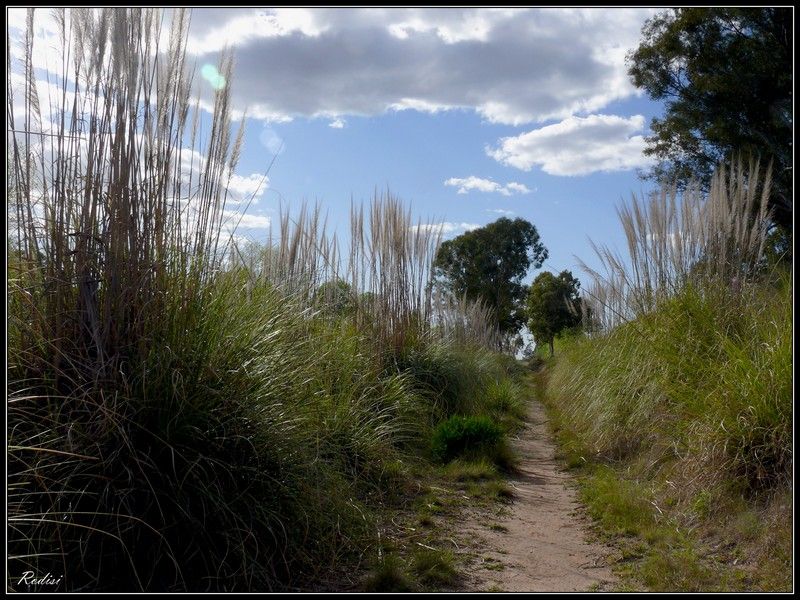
<point x="472" y="437"/>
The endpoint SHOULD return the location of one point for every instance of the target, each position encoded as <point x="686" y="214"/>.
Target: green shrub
<point x="473" y="437"/>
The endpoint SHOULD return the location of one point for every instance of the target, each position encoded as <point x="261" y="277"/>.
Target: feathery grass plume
<point x="672" y="241"/>
<point x="104" y="266"/>
<point x="184" y="412"/>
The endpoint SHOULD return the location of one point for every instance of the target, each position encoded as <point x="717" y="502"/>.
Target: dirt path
<point x="540" y="543"/>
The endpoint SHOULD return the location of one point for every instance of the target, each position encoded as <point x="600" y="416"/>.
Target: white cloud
<point x="247" y="25"/>
<point x="242" y="189"/>
<point x="500" y="211"/>
<point x="577" y="146"/>
<point x="511" y="66"/>
<point x="446" y="227"/>
<point x="247" y="221"/>
<point x="466" y="26"/>
<point x="518" y="188"/>
<point x="467" y="184"/>
<point x="337" y="124"/>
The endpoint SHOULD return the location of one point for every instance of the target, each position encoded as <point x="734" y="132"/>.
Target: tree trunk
<point x="551" y="348"/>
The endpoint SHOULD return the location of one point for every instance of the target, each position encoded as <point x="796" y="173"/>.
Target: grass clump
<point x="434" y="568"/>
<point x="390" y="575"/>
<point x="504" y="403"/>
<point x="453" y="378"/>
<point x="621" y="507"/>
<point x="466" y="471"/>
<point x="473" y="437"/>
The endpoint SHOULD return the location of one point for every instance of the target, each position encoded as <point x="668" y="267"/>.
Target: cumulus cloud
<point x="224" y="27"/>
<point x="246" y="221"/>
<point x="446" y="227"/>
<point x="577" y="146"/>
<point x="512" y="66"/>
<point x="468" y="184"/>
<point x="337" y="124"/>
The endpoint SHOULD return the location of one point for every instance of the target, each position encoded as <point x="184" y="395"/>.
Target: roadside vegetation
<point x="675" y="408"/>
<point x="192" y="412"/>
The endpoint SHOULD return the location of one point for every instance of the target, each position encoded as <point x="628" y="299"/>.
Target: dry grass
<point x="384" y="275"/>
<point x="705" y="240"/>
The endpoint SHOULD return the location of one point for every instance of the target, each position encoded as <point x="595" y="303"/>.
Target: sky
<point x="468" y="115"/>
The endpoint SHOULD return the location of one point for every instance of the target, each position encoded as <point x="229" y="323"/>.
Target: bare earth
<point x="544" y="547"/>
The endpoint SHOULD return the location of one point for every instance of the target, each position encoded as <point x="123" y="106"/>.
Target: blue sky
<point x="413" y="154"/>
<point x="466" y="114"/>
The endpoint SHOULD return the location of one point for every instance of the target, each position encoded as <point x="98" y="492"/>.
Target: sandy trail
<point x="544" y="547"/>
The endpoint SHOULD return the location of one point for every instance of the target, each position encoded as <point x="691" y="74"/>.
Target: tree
<point x="726" y="77"/>
<point x="554" y="305"/>
<point x="489" y="263"/>
<point x="336" y="297"/>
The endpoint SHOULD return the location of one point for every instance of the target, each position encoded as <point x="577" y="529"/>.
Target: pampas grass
<point x="705" y="240"/>
<point x="184" y="414"/>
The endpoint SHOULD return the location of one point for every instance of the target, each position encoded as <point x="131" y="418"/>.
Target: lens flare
<point x="214" y="77"/>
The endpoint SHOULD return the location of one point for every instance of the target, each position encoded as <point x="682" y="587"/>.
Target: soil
<point x="540" y="542"/>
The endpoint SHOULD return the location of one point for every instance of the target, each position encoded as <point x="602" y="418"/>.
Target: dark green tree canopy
<point x="335" y="297"/>
<point x="489" y="263"/>
<point x="726" y="77"/>
<point x="554" y="305"/>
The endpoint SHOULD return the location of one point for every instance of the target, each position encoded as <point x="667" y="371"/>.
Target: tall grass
<point x="695" y="355"/>
<point x="185" y="413"/>
<point x="382" y="272"/>
<point x="700" y="239"/>
<point x="686" y="386"/>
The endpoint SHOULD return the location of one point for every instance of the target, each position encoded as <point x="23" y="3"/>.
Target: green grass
<point x="496" y="491"/>
<point x="504" y="403"/>
<point x="464" y="471"/>
<point x="678" y="425"/>
<point x="621" y="507"/>
<point x="390" y="575"/>
<point x="475" y="437"/>
<point x="434" y="568"/>
<point x="188" y="413"/>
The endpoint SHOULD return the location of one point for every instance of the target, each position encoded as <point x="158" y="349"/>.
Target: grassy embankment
<point x="190" y="413"/>
<point x="677" y="417"/>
